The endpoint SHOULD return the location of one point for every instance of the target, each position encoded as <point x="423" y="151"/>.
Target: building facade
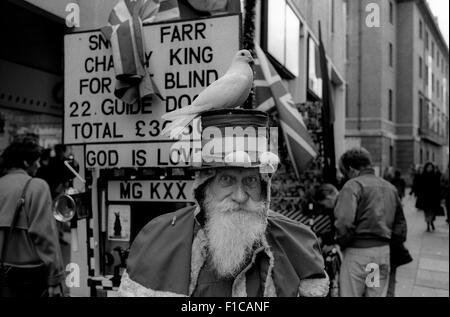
<point x="288" y="31"/>
<point x="397" y="73"/>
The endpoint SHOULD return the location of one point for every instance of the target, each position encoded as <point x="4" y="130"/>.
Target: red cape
<point x="160" y="257"/>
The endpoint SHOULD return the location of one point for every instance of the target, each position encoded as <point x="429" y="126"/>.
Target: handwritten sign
<point x="182" y="58"/>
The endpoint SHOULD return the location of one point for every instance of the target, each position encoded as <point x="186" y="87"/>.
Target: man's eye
<point x="251" y="180"/>
<point x="225" y="180"/>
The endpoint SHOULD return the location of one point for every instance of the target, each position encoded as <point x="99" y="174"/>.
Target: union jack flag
<point x="270" y="92"/>
<point x="124" y="31"/>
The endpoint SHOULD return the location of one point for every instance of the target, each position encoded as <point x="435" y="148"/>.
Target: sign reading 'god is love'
<point x="183" y="58"/>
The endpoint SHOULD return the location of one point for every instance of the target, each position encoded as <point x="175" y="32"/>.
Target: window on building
<point x="390" y="103"/>
<point x="391" y="155"/>
<point x="438" y="90"/>
<point x="420" y="67"/>
<point x="347" y="105"/>
<point x="283" y="35"/>
<point x="438" y="58"/>
<point x="347" y="46"/>
<point x="426" y="40"/>
<point x="432" y="49"/>
<point x="314" y="83"/>
<point x="438" y="121"/>
<point x="391" y="12"/>
<point x="432" y="82"/>
<point x="421" y="112"/>
<point x="332" y="16"/>
<point x="421" y="156"/>
<point x="420" y="29"/>
<point x="391" y="55"/>
<point x="426" y="75"/>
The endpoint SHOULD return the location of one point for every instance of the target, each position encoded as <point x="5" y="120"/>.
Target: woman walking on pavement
<point x="429" y="194"/>
<point x="30" y="256"/>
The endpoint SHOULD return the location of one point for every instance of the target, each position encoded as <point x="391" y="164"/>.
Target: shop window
<point x="283" y="36"/>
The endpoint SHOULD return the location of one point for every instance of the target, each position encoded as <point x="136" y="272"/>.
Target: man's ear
<point x="25" y="164"/>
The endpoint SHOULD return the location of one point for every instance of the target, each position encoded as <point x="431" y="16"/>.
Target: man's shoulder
<point x="161" y="251"/>
<point x="278" y="220"/>
<point x="367" y="180"/>
<point x="163" y="231"/>
<point x="171" y="219"/>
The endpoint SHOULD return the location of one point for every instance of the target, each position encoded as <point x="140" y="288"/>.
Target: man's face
<point x="237" y="184"/>
<point x="236" y="218"/>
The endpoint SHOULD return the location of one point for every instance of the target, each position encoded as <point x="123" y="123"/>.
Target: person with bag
<point x="399" y="254"/>
<point x="30" y="256"/>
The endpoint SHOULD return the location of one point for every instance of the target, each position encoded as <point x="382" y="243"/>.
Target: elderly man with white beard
<point x="230" y="244"/>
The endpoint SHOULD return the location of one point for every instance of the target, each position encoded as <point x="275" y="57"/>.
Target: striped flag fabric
<point x="124" y="31"/>
<point x="270" y="92"/>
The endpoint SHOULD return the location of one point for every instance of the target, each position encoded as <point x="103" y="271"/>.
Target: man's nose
<point x="239" y="195"/>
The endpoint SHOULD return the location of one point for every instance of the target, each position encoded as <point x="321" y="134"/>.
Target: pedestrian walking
<point x="429" y="194"/>
<point x="416" y="188"/>
<point x="31" y="262"/>
<point x="399" y="184"/>
<point x="365" y="219"/>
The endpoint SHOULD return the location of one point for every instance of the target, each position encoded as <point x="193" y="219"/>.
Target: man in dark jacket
<point x="365" y="213"/>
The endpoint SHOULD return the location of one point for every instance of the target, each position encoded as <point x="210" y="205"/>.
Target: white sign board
<point x="137" y="155"/>
<point x="155" y="191"/>
<point x="182" y="57"/>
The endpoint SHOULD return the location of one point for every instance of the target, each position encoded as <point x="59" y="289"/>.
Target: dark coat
<point x="429" y="194"/>
<point x="160" y="257"/>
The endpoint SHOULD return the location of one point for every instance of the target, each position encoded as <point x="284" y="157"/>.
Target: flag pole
<point x="329" y="172"/>
<point x="248" y="43"/>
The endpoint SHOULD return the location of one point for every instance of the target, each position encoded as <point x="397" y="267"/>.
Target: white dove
<point x="229" y="91"/>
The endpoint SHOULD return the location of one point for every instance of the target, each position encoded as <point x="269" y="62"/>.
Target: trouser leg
<point x="352" y="275"/>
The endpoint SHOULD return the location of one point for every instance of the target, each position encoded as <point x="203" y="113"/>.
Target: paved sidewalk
<point x="428" y="274"/>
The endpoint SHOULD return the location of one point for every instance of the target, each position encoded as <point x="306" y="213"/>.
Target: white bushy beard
<point x="232" y="231"/>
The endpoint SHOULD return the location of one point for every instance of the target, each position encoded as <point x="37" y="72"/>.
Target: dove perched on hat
<point x="229" y="91"/>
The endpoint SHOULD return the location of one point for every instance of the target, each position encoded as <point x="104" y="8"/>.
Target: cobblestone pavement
<point x="428" y="274"/>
